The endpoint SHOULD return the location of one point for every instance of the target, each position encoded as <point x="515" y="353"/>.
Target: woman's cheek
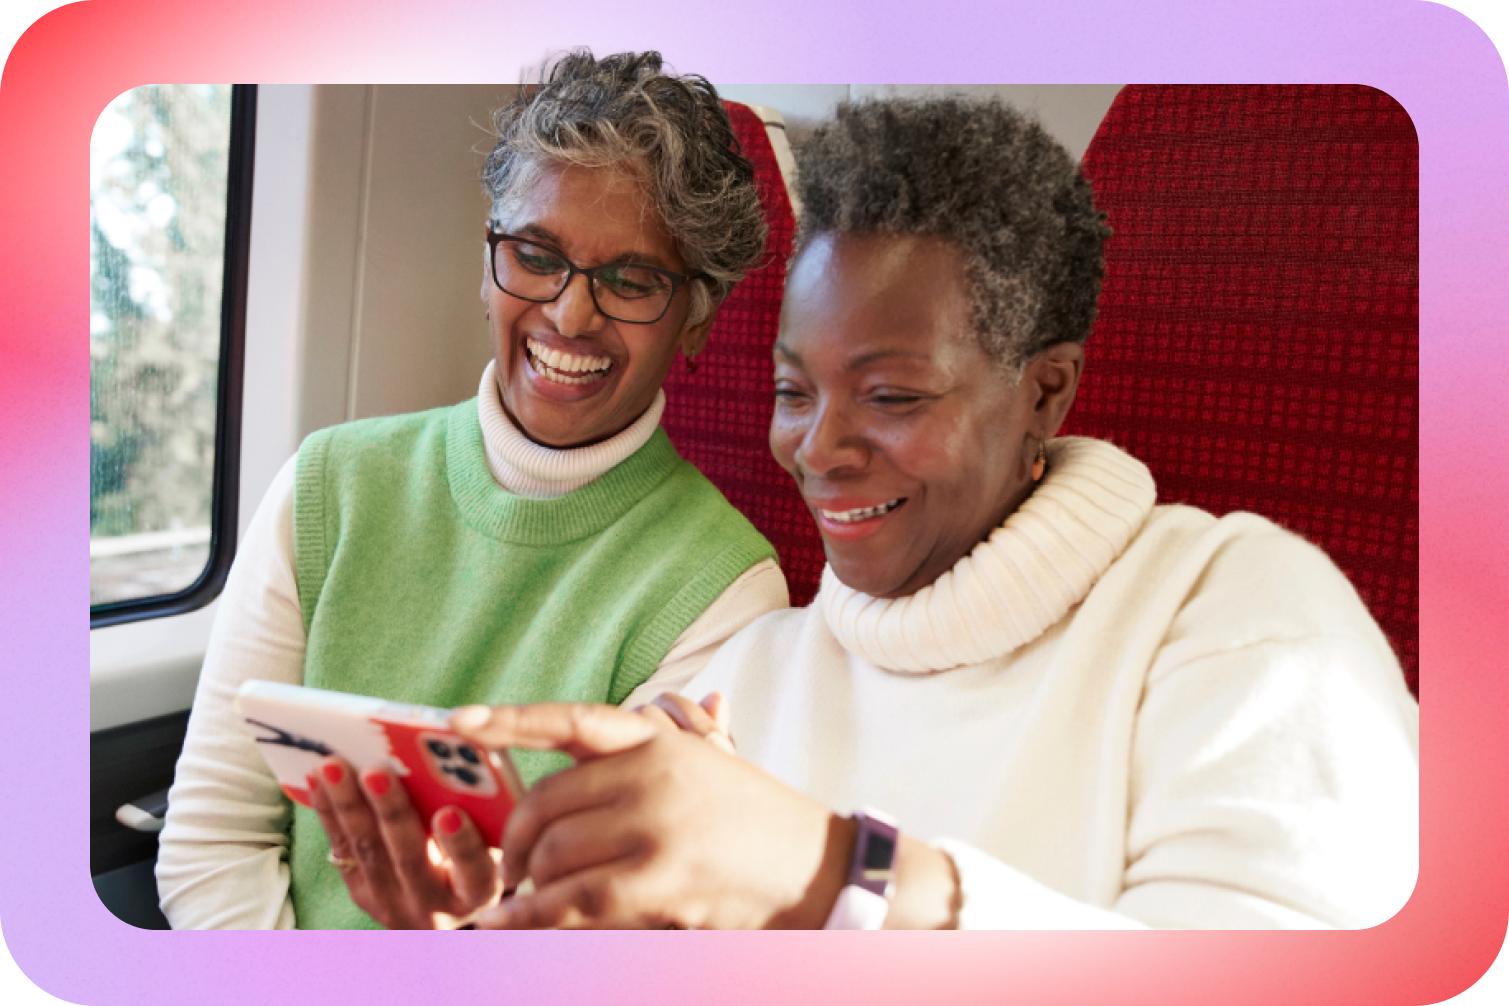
<point x="786" y="433"/>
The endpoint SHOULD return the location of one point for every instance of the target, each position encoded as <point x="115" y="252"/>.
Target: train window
<point x="169" y="220"/>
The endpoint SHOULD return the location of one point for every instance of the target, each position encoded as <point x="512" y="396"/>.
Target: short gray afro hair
<point x="986" y="179"/>
<point x="670" y="132"/>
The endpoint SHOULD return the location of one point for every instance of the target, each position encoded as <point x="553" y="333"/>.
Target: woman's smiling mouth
<point x="839" y="521"/>
<point x="566" y="368"/>
<point x="860" y="513"/>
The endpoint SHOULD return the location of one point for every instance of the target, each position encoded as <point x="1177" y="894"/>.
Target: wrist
<point x="927" y="894"/>
<point x="827" y="881"/>
<point x="865" y="900"/>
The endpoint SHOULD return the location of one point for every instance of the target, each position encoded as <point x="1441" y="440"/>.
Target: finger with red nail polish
<point x="377" y="782"/>
<point x="474" y="874"/>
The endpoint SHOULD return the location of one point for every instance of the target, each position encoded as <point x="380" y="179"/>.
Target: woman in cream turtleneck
<point x="1081" y="709"/>
<point x="541" y="542"/>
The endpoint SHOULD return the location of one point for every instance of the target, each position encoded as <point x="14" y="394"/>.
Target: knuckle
<point x="476" y="888"/>
<point x="346" y="802"/>
<point x="527" y="914"/>
<point x="411" y="861"/>
<point x="393" y="814"/>
<point x="532" y="718"/>
<point x="594" y="900"/>
<point x="545" y="856"/>
<point x="539" y="793"/>
<point x="466" y="850"/>
<point x="368" y="848"/>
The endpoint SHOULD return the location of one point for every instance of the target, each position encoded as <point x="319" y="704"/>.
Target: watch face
<point x="874" y="854"/>
<point x="879" y="854"/>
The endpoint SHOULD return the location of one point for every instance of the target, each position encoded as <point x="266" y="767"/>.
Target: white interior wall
<point x="392" y="318"/>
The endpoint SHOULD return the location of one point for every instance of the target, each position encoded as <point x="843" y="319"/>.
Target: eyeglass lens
<point x="623" y="292"/>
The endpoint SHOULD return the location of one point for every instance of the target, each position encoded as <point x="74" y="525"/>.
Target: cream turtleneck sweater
<point x="1109" y="714"/>
<point x="220" y="862"/>
<point x="535" y="472"/>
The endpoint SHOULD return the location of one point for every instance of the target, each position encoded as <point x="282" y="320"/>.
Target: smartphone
<point x="297" y="727"/>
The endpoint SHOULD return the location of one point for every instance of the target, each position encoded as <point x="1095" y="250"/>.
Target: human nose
<point x="831" y="444"/>
<point x="574" y="313"/>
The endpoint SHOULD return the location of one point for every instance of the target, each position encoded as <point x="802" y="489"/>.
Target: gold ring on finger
<point x="341" y="863"/>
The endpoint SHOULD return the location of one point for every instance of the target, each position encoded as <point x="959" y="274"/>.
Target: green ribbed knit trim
<point x="310" y="534"/>
<point x="499" y="514"/>
<point x="649" y="648"/>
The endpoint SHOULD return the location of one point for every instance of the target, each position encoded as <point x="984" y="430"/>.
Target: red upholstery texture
<point x="1257" y="344"/>
<point x="719" y="417"/>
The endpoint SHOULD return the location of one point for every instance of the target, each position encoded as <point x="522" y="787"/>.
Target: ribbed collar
<point x="500" y="514"/>
<point x="1018" y="582"/>
<point x="527" y="469"/>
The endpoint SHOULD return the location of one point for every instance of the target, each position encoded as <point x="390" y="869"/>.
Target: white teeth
<point x="556" y="365"/>
<point x="865" y="513"/>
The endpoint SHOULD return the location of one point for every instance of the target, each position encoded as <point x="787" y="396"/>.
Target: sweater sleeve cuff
<point x="992" y="895"/>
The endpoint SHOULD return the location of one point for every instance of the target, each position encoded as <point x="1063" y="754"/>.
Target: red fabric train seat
<point x="1257" y="344"/>
<point x="719" y="417"/>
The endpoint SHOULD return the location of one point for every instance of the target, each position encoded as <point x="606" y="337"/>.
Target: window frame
<point x="226" y="479"/>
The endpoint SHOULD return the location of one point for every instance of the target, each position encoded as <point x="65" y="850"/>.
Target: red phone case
<point x="296" y="727"/>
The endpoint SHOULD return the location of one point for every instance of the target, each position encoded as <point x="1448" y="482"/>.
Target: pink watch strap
<point x="864" y="901"/>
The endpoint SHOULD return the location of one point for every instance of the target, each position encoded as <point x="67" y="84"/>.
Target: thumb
<point x="580" y="730"/>
<point x="717" y="708"/>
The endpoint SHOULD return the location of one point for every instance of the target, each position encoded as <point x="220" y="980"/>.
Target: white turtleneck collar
<point x="1018" y="582"/>
<point x="527" y="469"/>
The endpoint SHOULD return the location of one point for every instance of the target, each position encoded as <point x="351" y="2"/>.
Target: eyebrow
<point x="534" y="230"/>
<point x="860" y="361"/>
<point x="627" y="258"/>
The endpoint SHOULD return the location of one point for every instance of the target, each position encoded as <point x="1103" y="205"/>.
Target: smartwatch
<point x="865" y="899"/>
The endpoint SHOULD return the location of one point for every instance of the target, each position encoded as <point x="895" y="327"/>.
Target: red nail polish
<point x="376" y="782"/>
<point x="450" y="820"/>
<point x="333" y="773"/>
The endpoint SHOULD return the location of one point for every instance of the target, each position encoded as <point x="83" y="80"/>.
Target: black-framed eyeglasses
<point x="528" y="270"/>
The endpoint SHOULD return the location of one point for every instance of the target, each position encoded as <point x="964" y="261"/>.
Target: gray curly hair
<point x="670" y="132"/>
<point x="986" y="179"/>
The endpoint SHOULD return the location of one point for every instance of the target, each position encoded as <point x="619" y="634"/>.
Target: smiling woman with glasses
<point x="541" y="542"/>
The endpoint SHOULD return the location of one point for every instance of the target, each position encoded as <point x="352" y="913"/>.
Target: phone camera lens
<point x="440" y="749"/>
<point x="467" y="754"/>
<point x="467" y="776"/>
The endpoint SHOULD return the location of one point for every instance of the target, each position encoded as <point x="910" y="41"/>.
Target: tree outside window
<point x="158" y="165"/>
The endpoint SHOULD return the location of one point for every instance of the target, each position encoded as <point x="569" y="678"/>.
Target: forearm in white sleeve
<point x="993" y="895"/>
<point x="222" y="858"/>
<point x="758" y="590"/>
<point x="1273" y="786"/>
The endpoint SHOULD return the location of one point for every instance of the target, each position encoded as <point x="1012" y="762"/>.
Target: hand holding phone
<point x="296" y="727"/>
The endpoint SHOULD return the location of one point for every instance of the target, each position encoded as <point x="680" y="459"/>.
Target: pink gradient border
<point x="1433" y="60"/>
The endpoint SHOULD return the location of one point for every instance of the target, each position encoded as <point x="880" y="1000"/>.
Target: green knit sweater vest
<point x="423" y="581"/>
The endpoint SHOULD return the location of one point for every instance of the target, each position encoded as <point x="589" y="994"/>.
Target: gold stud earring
<point x="1041" y="464"/>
